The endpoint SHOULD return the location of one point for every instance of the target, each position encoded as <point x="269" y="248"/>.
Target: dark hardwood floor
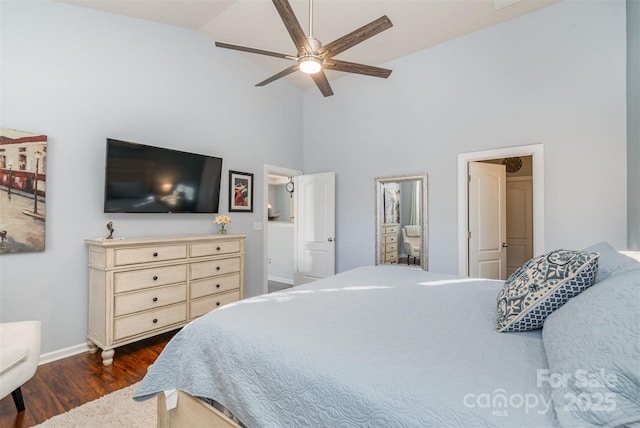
<point x="59" y="386"/>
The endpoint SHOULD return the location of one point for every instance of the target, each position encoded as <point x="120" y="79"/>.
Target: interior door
<point x="315" y="227"/>
<point x="487" y="221"/>
<point x="520" y="224"/>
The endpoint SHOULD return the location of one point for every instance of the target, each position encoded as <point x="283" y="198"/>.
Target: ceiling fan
<point x="313" y="58"/>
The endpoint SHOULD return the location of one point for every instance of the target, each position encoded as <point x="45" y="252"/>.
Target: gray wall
<point x="633" y="123"/>
<point x="80" y="76"/>
<point x="556" y="77"/>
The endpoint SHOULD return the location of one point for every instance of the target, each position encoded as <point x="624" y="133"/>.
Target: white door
<point x="315" y="226"/>
<point x="520" y="223"/>
<point x="487" y="221"/>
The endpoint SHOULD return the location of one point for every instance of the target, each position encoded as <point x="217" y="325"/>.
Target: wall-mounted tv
<point x="147" y="179"/>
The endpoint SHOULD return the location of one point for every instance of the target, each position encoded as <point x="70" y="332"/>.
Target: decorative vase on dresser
<point x="142" y="287"/>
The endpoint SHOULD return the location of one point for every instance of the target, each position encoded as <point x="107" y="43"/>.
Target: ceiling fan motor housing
<point x="314" y="43"/>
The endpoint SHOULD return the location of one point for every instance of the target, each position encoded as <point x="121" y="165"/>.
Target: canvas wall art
<point x="23" y="161"/>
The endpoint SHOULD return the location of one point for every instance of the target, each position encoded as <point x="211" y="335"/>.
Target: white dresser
<point x="389" y="242"/>
<point x="142" y="287"/>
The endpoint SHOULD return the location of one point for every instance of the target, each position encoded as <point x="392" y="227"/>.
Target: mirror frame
<point x="379" y="183"/>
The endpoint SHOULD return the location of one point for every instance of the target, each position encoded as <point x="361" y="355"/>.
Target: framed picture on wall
<point x="240" y="191"/>
<point x="23" y="179"/>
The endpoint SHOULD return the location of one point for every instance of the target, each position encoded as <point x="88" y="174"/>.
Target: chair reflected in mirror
<point x="411" y="240"/>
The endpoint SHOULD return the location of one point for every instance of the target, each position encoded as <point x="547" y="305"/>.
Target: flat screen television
<point x="147" y="179"/>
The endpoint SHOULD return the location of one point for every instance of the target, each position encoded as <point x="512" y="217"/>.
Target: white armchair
<point x="411" y="241"/>
<point x="19" y="357"/>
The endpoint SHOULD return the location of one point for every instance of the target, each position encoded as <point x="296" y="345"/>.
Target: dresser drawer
<point x="130" y="256"/>
<point x="214" y="267"/>
<point x="133" y="325"/>
<point x="390" y="229"/>
<point x="390" y="239"/>
<point x="139" y="301"/>
<point x="203" y="305"/>
<point x="390" y="257"/>
<point x="151" y="277"/>
<point x="389" y="248"/>
<point x="217" y="284"/>
<point x="212" y="248"/>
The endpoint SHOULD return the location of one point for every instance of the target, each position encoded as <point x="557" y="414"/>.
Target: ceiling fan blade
<point x="350" y="67"/>
<point x="293" y="26"/>
<point x="323" y="84"/>
<point x="277" y="76"/>
<point x="252" y="50"/>
<point x="355" y="37"/>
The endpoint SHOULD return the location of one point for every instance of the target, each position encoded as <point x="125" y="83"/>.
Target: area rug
<point x="115" y="410"/>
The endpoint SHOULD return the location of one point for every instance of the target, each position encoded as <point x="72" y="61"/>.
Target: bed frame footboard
<point x="191" y="412"/>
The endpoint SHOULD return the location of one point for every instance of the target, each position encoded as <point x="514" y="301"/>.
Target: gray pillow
<point x="611" y="262"/>
<point x="592" y="346"/>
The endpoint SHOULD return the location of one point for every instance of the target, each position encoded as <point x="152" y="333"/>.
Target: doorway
<point x="517" y="188"/>
<point x="312" y="221"/>
<point x="278" y="230"/>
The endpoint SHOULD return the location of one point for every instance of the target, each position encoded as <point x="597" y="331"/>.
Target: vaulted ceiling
<point x="417" y="24"/>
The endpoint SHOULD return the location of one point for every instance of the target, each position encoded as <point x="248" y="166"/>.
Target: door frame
<point x="271" y="170"/>
<point x="536" y="151"/>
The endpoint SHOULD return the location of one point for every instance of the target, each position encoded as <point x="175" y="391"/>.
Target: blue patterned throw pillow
<point x="541" y="286"/>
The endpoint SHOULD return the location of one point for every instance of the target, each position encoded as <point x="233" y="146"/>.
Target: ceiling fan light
<point x="310" y="65"/>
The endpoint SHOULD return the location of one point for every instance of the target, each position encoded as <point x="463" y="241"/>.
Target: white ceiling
<point x="417" y="24"/>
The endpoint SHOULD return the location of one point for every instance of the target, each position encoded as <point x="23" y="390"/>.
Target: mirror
<point x="401" y="221"/>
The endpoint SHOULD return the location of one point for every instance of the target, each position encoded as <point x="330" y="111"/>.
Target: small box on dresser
<point x="142" y="287"/>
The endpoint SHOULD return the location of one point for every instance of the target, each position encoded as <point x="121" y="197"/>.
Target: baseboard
<point x="50" y="357"/>
<point x="280" y="279"/>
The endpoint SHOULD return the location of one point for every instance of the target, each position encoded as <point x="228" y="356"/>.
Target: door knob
<point x="330" y="239"/>
<point x="505" y="245"/>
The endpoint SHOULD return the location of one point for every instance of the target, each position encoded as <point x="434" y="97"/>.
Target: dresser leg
<point x="93" y="348"/>
<point x="107" y="357"/>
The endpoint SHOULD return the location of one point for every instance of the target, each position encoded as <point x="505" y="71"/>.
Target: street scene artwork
<point x="23" y="160"/>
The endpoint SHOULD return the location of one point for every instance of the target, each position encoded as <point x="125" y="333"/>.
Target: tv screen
<point x="147" y="179"/>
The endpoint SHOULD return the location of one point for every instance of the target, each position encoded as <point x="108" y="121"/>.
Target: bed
<point x="384" y="346"/>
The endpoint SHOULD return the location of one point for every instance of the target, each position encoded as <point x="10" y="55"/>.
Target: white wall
<point x="633" y="124"/>
<point x="80" y="76"/>
<point x="556" y="77"/>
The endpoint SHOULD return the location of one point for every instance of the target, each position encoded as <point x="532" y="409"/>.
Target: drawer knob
<point x="155" y="299"/>
<point x="155" y="277"/>
<point x="217" y="248"/>
<point x="217" y="303"/>
<point x="217" y="285"/>
<point x="155" y="254"/>
<point x="155" y="320"/>
<point x="217" y="267"/>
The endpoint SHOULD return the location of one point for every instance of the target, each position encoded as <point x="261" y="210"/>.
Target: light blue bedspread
<point x="372" y="347"/>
